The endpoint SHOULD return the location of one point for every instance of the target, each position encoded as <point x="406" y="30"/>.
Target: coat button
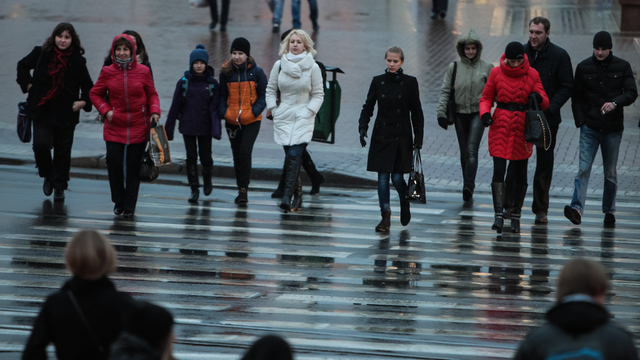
<point x="399" y="96"/>
<point x="382" y="83"/>
<point x="382" y="96"/>
<point x="398" y="111"/>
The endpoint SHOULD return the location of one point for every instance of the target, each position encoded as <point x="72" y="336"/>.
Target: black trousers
<point x="123" y="166"/>
<point x="519" y="169"/>
<point x="541" y="179"/>
<point x="213" y="8"/>
<point x="440" y="6"/>
<point x="242" y="139"/>
<point x="195" y="145"/>
<point x="59" y="138"/>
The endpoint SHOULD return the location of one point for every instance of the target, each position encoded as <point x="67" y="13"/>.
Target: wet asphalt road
<point x="444" y="287"/>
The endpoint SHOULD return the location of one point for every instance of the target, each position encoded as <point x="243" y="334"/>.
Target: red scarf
<point x="57" y="68"/>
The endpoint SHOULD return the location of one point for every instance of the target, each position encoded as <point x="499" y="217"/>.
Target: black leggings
<point x="194" y="143"/>
<point x="242" y="140"/>
<point x="519" y="170"/>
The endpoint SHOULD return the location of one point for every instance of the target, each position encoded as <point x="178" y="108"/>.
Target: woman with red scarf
<point x="58" y="89"/>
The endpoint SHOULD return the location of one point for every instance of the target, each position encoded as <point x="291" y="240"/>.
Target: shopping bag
<point x="148" y="169"/>
<point x="416" y="190"/>
<point x="24" y="123"/>
<point x="159" y="146"/>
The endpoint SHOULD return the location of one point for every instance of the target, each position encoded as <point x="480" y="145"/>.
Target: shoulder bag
<point x="451" y="104"/>
<point x="536" y="128"/>
<point x="148" y="169"/>
<point x="416" y="190"/>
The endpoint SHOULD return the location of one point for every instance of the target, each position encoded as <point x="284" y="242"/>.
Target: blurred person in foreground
<point x="269" y="347"/>
<point x="148" y="334"/>
<point x="87" y="314"/>
<point x="579" y="326"/>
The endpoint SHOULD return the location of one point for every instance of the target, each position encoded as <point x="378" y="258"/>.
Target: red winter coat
<point x="507" y="84"/>
<point x="132" y="97"/>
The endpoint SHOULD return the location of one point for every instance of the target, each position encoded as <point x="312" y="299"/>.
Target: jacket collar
<point x="394" y="77"/>
<point x="534" y="54"/>
<point x="514" y="72"/>
<point x="79" y="285"/>
<point x="577" y="316"/>
<point x="209" y="75"/>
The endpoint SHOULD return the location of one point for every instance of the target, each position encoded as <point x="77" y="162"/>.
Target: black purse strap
<point x="85" y="322"/>
<point x="417" y="161"/>
<point x="453" y="77"/>
<point x="533" y="103"/>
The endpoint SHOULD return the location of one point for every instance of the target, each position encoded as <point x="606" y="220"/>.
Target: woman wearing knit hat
<point x="510" y="85"/>
<point x="297" y="79"/>
<point x="195" y="105"/>
<point x="242" y="99"/>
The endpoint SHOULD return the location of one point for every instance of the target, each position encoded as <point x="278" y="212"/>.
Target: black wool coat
<point x="58" y="110"/>
<point x="59" y="323"/>
<point x="598" y="82"/>
<point x="556" y="74"/>
<point x="399" y="123"/>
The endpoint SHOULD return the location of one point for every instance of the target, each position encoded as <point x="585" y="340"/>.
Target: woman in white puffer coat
<point x="294" y="95"/>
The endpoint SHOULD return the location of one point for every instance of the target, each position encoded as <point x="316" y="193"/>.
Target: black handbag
<point x="24" y="123"/>
<point x="536" y="128"/>
<point x="451" y="104"/>
<point x="148" y="169"/>
<point x="416" y="191"/>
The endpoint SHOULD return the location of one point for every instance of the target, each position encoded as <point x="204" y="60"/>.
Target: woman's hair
<point x="269" y="347"/>
<point x="140" y="49"/>
<point x="227" y="67"/>
<point x="90" y="255"/>
<point x="122" y="41"/>
<point x="395" y="50"/>
<point x="50" y="43"/>
<point x="306" y="40"/>
<point x="581" y="276"/>
<point x="151" y="323"/>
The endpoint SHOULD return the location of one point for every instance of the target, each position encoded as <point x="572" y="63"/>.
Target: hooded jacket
<point x="301" y="95"/>
<point x="198" y="110"/>
<point x="577" y="328"/>
<point x="471" y="76"/>
<point x="132" y="97"/>
<point x="242" y="94"/>
<point x="507" y="84"/>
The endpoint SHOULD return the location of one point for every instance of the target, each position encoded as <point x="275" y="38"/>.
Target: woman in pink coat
<point x="510" y="85"/>
<point x="133" y="105"/>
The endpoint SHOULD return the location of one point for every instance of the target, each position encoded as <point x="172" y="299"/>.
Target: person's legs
<point x="62" y="143"/>
<point x="213" y="9"/>
<point x="134" y="156"/>
<point x="206" y="160"/>
<point x="224" y="15"/>
<point x="42" y="144"/>
<point x="310" y="168"/>
<point x="292" y="179"/>
<point x="476" y="131"/>
<point x="610" y="147"/>
<point x="497" y="192"/>
<point x="249" y="134"/>
<point x="384" y="200"/>
<point x="405" y="205"/>
<point x="589" y="143"/>
<point x="280" y="189"/>
<point x="313" y="14"/>
<point x="115" y="169"/>
<point x="191" y="147"/>
<point x="520" y="191"/>
<point x="277" y="14"/>
<point x="235" y="140"/>
<point x="295" y="14"/>
<point x="462" y="125"/>
<point x="542" y="178"/>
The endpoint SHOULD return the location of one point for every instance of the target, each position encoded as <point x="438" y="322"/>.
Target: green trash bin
<point x="324" y="129"/>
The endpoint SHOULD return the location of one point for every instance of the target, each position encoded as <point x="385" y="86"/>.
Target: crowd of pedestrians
<point x="128" y="103"/>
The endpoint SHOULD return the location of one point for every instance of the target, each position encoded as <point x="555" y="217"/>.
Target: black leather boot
<point x="207" y="186"/>
<point x="520" y="191"/>
<point x="192" y="178"/>
<point x="405" y="212"/>
<point x="296" y="202"/>
<point x="291" y="182"/>
<point x="280" y="190"/>
<point x="310" y="168"/>
<point x="497" y="191"/>
<point x="385" y="223"/>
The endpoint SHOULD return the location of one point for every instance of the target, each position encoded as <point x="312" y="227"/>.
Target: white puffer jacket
<point x="301" y="95"/>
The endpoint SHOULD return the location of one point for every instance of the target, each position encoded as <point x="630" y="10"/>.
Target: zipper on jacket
<point x="239" y="99"/>
<point x="126" y="96"/>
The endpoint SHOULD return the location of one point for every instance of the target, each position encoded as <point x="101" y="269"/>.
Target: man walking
<point x="556" y="73"/>
<point x="579" y="326"/>
<point x="604" y="85"/>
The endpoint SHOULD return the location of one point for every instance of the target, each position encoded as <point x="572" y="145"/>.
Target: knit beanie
<point x="199" y="54"/>
<point x="150" y="322"/>
<point x="514" y="51"/>
<point x="602" y="40"/>
<point x="241" y="44"/>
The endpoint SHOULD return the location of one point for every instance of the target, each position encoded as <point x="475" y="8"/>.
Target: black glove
<point x="417" y="146"/>
<point x="154" y="123"/>
<point x="487" y="120"/>
<point x="538" y="97"/>
<point x="363" y="134"/>
<point x="443" y="122"/>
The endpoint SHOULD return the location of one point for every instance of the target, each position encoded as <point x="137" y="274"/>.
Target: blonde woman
<point x="89" y="294"/>
<point x="298" y="79"/>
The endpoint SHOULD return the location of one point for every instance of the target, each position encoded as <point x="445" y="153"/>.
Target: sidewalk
<point x="354" y="35"/>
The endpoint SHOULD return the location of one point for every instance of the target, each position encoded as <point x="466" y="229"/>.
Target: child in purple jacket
<point x="195" y="105"/>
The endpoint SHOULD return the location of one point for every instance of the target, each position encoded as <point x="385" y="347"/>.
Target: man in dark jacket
<point x="556" y="73"/>
<point x="604" y="85"/>
<point x="578" y="326"/>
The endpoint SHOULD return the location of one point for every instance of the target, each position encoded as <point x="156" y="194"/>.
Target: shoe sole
<point x="538" y="221"/>
<point x="568" y="213"/>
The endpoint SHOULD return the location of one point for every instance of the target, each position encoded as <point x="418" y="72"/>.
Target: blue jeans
<point x="278" y="8"/>
<point x="383" y="189"/>
<point x="590" y="140"/>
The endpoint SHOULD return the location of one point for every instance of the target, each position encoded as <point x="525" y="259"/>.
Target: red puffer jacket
<point x="507" y="84"/>
<point x="132" y="97"/>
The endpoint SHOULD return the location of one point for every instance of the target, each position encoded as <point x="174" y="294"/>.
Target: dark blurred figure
<point x="269" y="347"/>
<point x="439" y="9"/>
<point x="88" y="313"/>
<point x="224" y="16"/>
<point x="148" y="335"/>
<point x="578" y="326"/>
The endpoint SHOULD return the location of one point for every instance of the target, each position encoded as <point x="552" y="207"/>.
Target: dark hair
<point x="227" y="67"/>
<point x="50" y="43"/>
<point x="541" y="20"/>
<point x="122" y="41"/>
<point x="151" y="323"/>
<point x="140" y="49"/>
<point x="269" y="347"/>
<point x="581" y="276"/>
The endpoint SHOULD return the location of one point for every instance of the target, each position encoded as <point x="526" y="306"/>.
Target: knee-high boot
<point x="291" y="179"/>
<point x="207" y="186"/>
<point x="280" y="190"/>
<point x="192" y="178"/>
<point x="497" y="191"/>
<point x="518" y="200"/>
<point x="310" y="168"/>
<point x="296" y="202"/>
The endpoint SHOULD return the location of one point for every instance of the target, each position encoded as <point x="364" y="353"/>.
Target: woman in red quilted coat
<point x="133" y="104"/>
<point x="510" y="85"/>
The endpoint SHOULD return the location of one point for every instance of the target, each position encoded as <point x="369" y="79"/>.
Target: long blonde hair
<point x="306" y="40"/>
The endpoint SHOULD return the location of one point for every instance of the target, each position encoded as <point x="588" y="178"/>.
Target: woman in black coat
<point x="90" y="257"/>
<point x="392" y="140"/>
<point x="55" y="99"/>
